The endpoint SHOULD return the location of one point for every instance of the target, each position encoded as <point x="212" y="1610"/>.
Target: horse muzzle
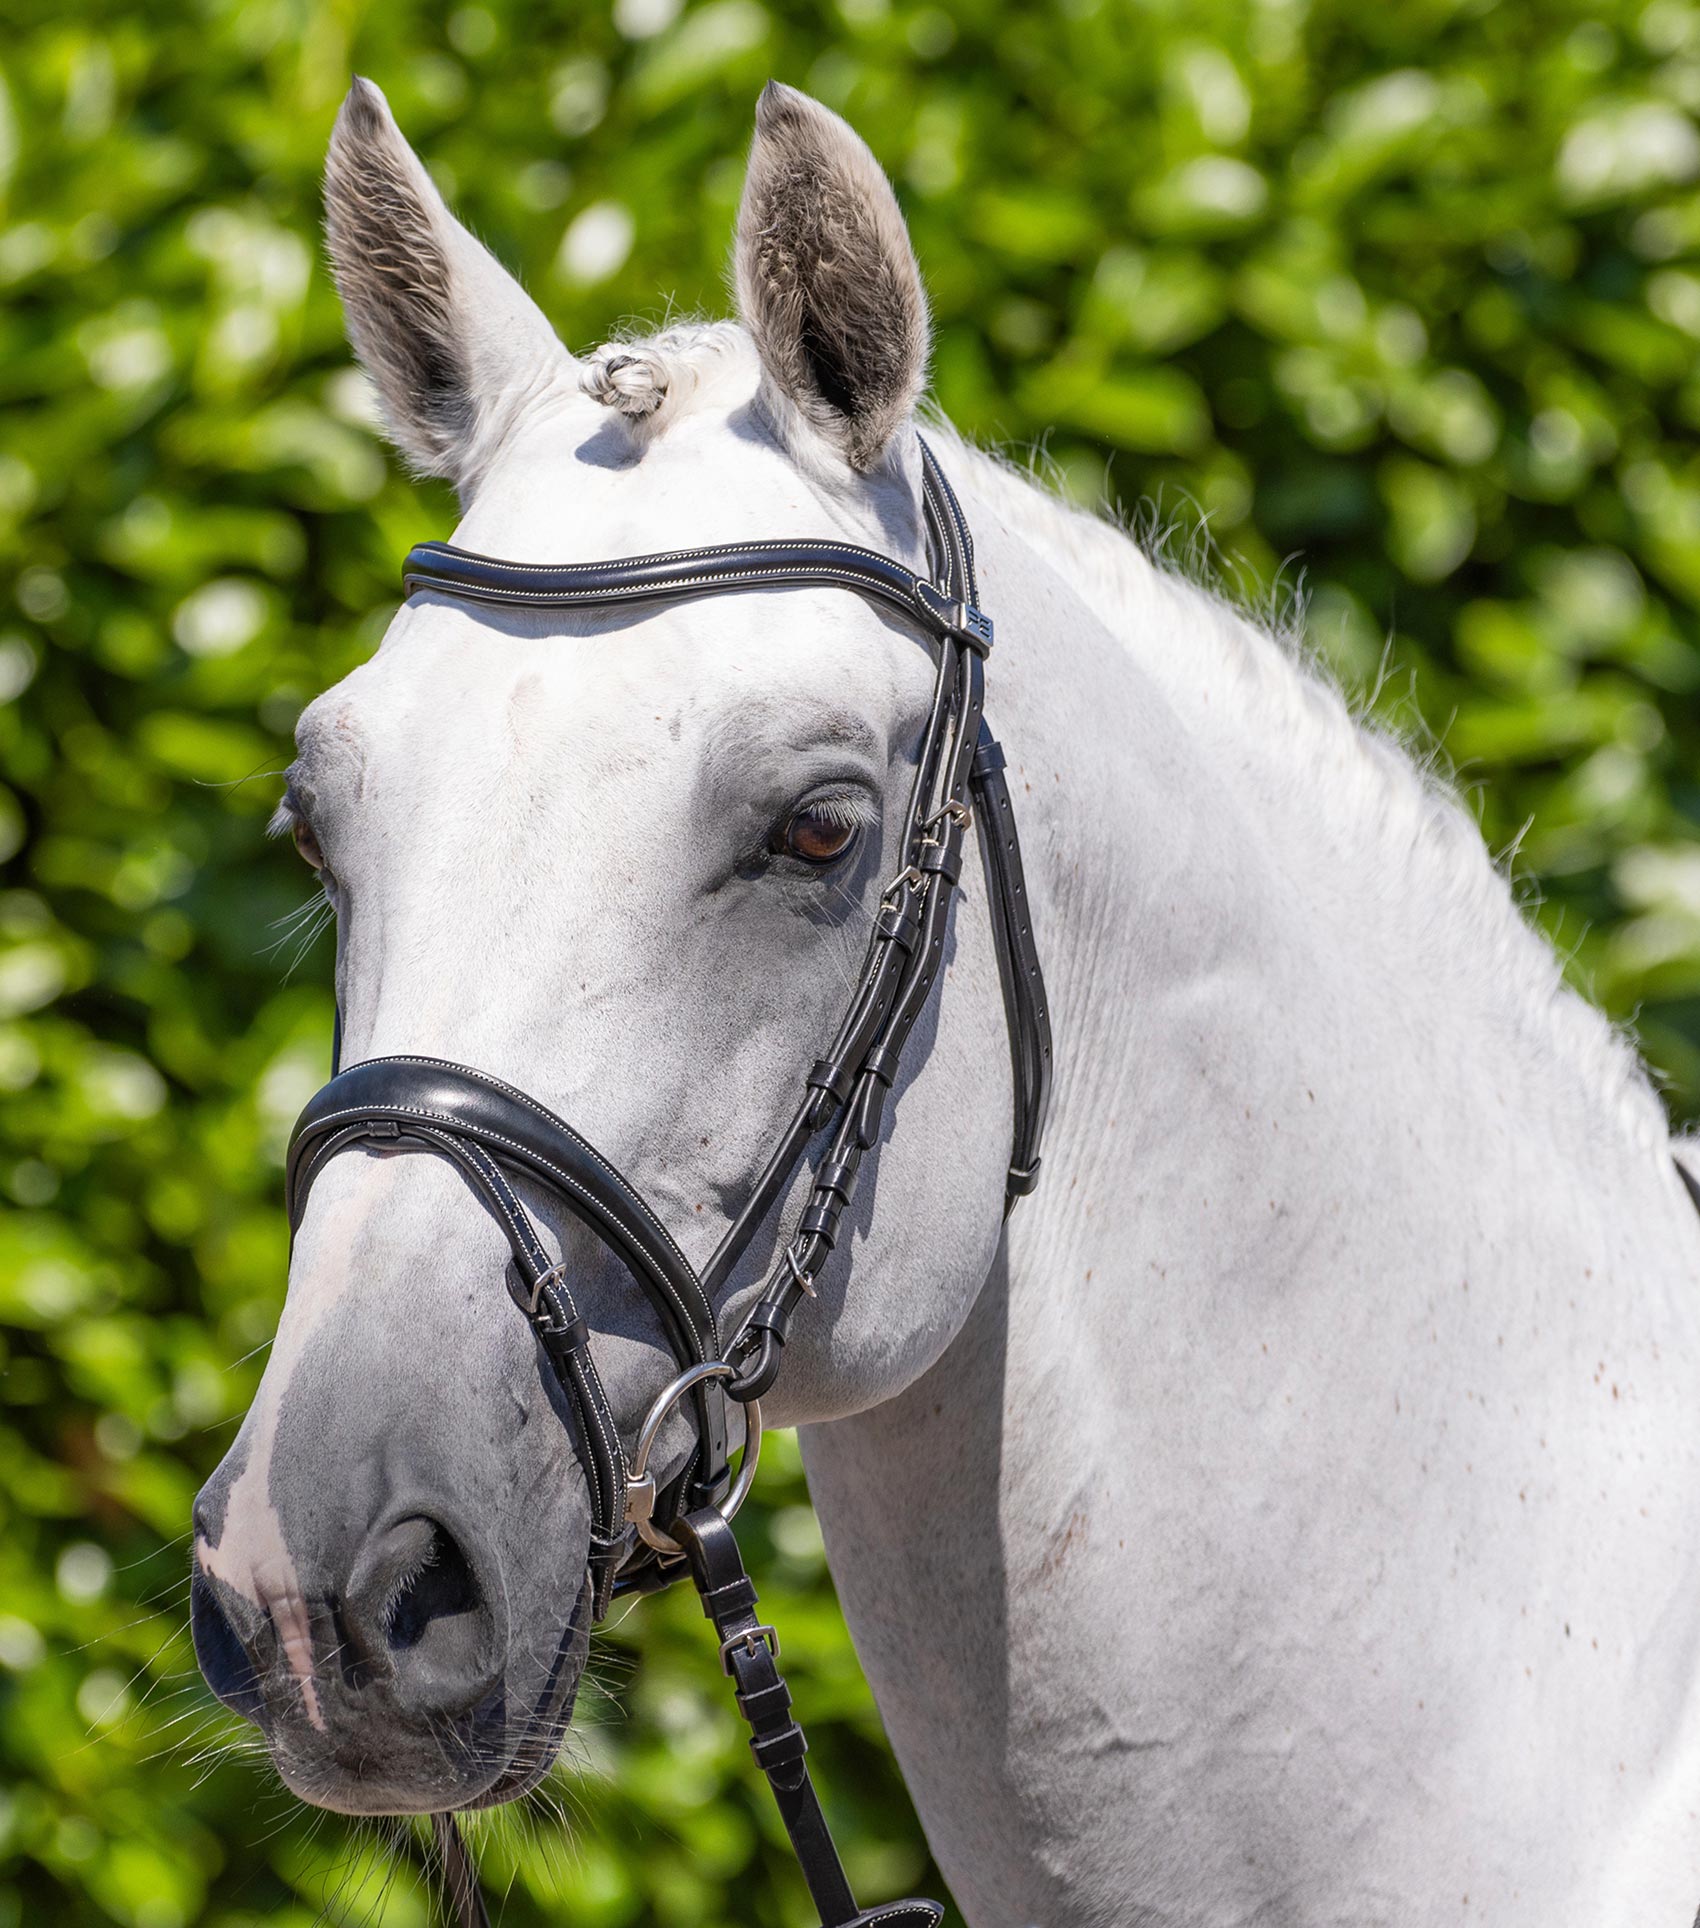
<point x="400" y="1695"/>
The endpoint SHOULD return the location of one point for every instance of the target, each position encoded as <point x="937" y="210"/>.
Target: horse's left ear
<point x="827" y="282"/>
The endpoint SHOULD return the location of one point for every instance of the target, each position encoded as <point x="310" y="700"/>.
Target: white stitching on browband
<point x="670" y="555"/>
<point x="637" y="592"/>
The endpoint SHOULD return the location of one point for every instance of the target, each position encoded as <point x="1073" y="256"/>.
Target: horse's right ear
<point x="455" y="345"/>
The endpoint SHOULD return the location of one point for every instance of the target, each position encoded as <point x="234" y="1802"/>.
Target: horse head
<point x="626" y="861"/>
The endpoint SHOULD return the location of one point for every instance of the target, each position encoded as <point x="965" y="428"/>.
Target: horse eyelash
<point x="849" y="808"/>
<point x="282" y="823"/>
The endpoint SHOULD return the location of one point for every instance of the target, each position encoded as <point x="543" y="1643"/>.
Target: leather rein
<point x="643" y="1537"/>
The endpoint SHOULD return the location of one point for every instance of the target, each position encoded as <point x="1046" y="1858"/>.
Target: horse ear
<point x="455" y="345"/>
<point x="827" y="282"/>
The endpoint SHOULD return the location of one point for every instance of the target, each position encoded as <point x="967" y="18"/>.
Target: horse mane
<point x="1247" y="679"/>
<point x="1393" y="812"/>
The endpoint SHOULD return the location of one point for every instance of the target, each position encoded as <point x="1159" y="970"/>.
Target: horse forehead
<point x="577" y="489"/>
<point x="723" y="679"/>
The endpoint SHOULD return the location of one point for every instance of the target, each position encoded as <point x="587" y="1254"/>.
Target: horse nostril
<point x="416" y="1610"/>
<point x="223" y="1654"/>
<point x="440" y="1588"/>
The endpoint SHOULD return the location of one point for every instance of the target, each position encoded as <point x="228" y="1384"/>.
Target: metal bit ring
<point x="640" y="1484"/>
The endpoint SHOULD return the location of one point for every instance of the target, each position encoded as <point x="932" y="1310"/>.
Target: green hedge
<point x="1408" y="293"/>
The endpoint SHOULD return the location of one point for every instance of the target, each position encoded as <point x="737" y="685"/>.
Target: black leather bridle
<point x="642" y="1539"/>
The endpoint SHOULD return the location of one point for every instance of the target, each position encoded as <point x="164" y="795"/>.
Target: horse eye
<point x="819" y="834"/>
<point x="306" y="844"/>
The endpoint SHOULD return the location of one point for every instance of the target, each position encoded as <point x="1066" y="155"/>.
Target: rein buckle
<point x="748" y="1642"/>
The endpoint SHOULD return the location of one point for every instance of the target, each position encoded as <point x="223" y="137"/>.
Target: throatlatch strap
<point x="1026" y="1013"/>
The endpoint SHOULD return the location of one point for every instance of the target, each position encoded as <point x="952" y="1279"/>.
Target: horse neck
<point x="1294" y="999"/>
<point x="1328" y="1203"/>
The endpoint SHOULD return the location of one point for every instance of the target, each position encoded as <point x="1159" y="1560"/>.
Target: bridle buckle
<point x="640" y="1500"/>
<point x="954" y="811"/>
<point x="544" y="1279"/>
<point x="973" y="625"/>
<point x="749" y="1642"/>
<point x="801" y="1277"/>
<point x="911" y="875"/>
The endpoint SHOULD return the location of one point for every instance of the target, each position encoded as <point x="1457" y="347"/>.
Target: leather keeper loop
<point x="838" y="1176"/>
<point x="558" y="1340"/>
<point x="1021" y="1182"/>
<point x="765" y="1316"/>
<point x="825" y="1075"/>
<point x="883" y="1061"/>
<point x="784" y="1749"/>
<point x="732" y="1598"/>
<point x="765" y="1703"/>
<point x="821" y="1221"/>
<point x="900" y="923"/>
<point x="945" y="858"/>
<point x="988" y="760"/>
<point x="707" y="1493"/>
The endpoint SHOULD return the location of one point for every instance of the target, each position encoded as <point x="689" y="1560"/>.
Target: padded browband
<point x="695" y="572"/>
<point x="384" y="1099"/>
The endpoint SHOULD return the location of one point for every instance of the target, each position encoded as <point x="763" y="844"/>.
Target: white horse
<point x="1294" y="1519"/>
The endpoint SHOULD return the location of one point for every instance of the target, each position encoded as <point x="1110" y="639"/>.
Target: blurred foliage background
<point x="1410" y="292"/>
